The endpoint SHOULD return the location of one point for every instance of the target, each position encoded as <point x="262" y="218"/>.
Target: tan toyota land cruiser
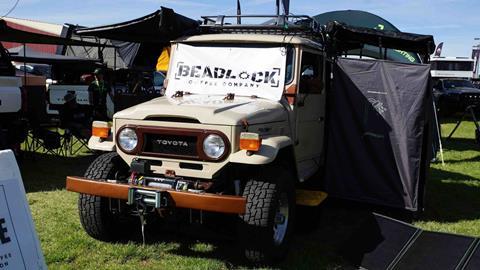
<point x="240" y="127"/>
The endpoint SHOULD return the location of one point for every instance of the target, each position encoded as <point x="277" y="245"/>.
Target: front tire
<point x="267" y="225"/>
<point x="96" y="215"/>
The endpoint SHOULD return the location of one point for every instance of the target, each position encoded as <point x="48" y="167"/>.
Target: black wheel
<point x="266" y="227"/>
<point x="101" y="217"/>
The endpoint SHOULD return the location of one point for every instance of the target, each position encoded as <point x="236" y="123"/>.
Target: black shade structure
<point x="139" y="41"/>
<point x="160" y="26"/>
<point x="10" y="34"/>
<point x="362" y="19"/>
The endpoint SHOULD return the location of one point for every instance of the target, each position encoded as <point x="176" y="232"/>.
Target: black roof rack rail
<point x="274" y="24"/>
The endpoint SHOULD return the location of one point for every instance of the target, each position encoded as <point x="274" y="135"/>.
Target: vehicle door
<point x="310" y="113"/>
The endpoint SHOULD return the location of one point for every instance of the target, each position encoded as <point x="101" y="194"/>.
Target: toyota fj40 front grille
<point x="171" y="144"/>
<point x="178" y="143"/>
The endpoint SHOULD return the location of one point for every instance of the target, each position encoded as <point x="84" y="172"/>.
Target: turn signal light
<point x="250" y="141"/>
<point x="100" y="129"/>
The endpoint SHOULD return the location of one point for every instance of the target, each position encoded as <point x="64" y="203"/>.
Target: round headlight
<point x="213" y="146"/>
<point x="127" y="139"/>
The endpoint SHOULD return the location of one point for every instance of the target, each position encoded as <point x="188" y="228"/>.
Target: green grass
<point x="453" y="205"/>
<point x="453" y="193"/>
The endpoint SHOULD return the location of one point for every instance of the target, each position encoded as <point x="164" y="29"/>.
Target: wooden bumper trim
<point x="206" y="201"/>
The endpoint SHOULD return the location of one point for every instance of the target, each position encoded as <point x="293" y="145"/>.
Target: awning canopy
<point x="358" y="18"/>
<point x="160" y="26"/>
<point x="346" y="37"/>
<point x="10" y="34"/>
<point x="25" y="54"/>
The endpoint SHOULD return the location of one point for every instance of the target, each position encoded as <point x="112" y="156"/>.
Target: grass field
<point x="453" y="204"/>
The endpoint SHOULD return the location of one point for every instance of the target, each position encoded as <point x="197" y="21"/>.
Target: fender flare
<point x="268" y="151"/>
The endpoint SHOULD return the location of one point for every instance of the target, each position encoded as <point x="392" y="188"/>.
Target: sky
<point x="455" y="22"/>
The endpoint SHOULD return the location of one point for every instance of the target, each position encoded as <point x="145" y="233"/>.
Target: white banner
<point x="218" y="70"/>
<point x="19" y="245"/>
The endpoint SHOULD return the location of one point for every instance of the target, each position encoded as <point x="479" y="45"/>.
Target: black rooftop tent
<point x="363" y="19"/>
<point x="347" y="37"/>
<point x="140" y="41"/>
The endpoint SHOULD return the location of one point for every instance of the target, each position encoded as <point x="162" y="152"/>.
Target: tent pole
<point x="438" y="132"/>
<point x="25" y="64"/>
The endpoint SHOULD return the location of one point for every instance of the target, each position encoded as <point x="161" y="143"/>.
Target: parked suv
<point x="454" y="95"/>
<point x="241" y="124"/>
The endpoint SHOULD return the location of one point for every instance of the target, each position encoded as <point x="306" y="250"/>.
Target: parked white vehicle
<point x="10" y="94"/>
<point x="452" y="67"/>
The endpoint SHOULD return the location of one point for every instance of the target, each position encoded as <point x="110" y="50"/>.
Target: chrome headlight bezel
<point x="211" y="142"/>
<point x="127" y="139"/>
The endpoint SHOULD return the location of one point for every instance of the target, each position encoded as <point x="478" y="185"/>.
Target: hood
<point x="463" y="90"/>
<point x="209" y="110"/>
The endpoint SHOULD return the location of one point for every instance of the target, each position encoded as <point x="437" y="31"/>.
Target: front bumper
<point x="182" y="199"/>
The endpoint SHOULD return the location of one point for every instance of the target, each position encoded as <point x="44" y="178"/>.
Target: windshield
<point x="158" y="78"/>
<point x="457" y="83"/>
<point x="248" y="70"/>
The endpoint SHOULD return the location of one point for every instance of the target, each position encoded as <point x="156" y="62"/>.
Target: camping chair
<point x="75" y="122"/>
<point x="42" y="139"/>
<point x="42" y="135"/>
<point x="74" y="140"/>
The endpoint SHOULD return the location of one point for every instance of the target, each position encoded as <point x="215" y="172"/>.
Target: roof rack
<point x="274" y="24"/>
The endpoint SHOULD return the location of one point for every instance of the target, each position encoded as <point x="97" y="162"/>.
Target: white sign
<point x="219" y="70"/>
<point x="19" y="245"/>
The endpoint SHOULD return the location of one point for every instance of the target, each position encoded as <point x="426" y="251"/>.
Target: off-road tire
<point x="95" y="215"/>
<point x="256" y="226"/>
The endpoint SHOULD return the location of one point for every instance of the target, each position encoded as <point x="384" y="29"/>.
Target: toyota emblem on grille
<point x="173" y="143"/>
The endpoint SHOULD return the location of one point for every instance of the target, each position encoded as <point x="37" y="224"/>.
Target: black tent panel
<point x="159" y="27"/>
<point x="377" y="118"/>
